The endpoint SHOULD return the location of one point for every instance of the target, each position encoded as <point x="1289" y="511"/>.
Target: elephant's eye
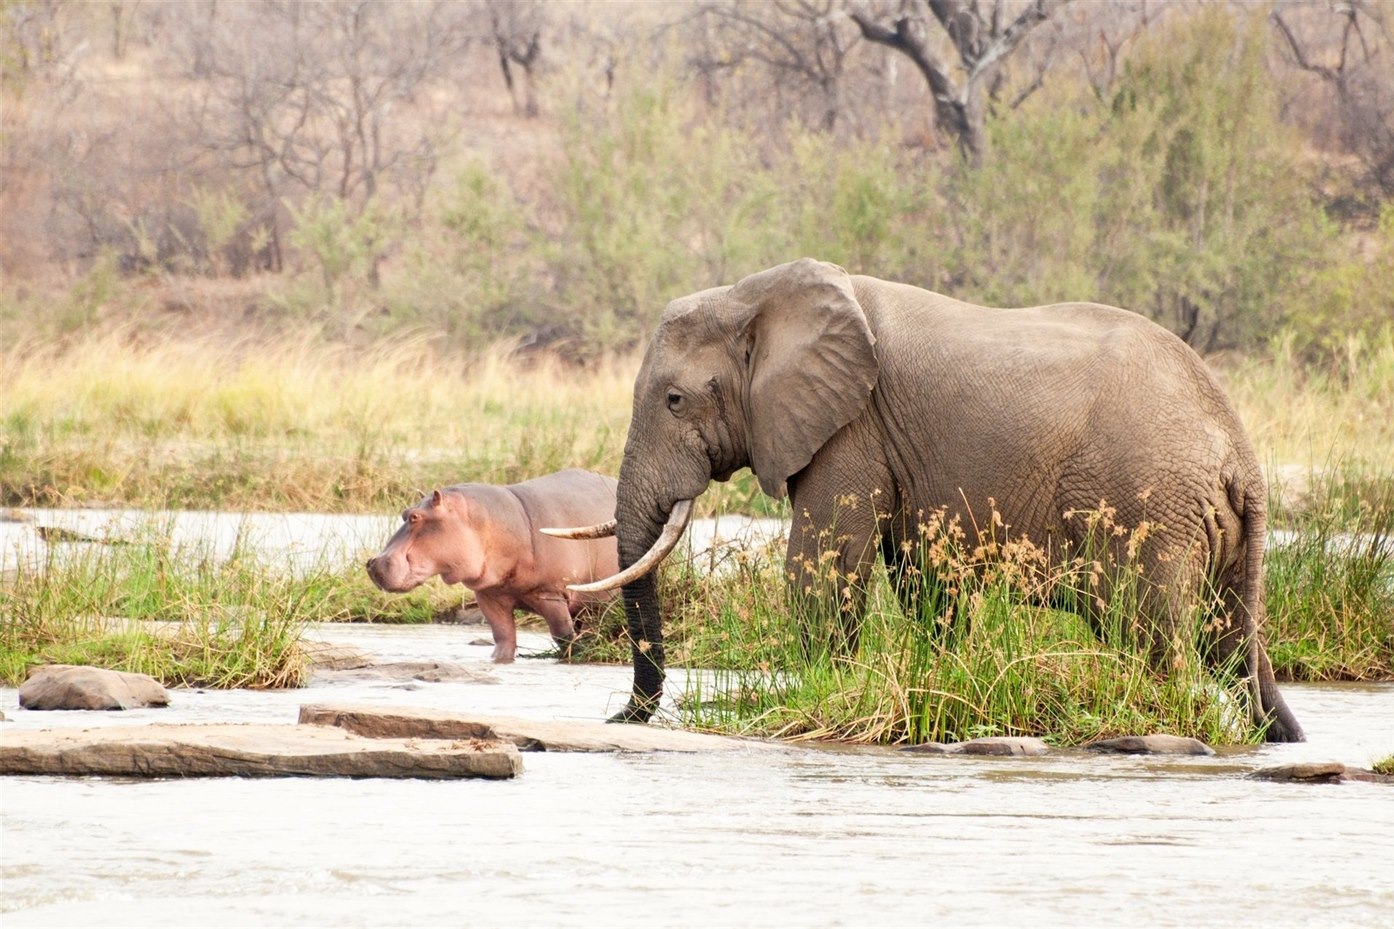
<point x="675" y="401"/>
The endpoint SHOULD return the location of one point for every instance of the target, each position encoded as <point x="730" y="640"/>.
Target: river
<point x="802" y="837"/>
<point x="808" y="836"/>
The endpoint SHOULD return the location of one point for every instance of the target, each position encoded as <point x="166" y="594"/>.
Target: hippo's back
<point x="573" y="497"/>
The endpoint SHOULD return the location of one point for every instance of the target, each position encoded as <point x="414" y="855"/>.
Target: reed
<point x="142" y="607"/>
<point x="982" y="655"/>
<point x="1330" y="585"/>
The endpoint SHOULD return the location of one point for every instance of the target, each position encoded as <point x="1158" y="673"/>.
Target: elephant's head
<point x="759" y="374"/>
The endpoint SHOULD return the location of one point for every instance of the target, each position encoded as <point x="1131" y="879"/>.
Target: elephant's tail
<point x="1268" y="703"/>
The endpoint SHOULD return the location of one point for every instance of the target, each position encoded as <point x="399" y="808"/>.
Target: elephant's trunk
<point x="643" y="542"/>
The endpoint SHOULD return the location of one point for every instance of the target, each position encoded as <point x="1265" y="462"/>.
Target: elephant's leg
<point x="831" y="555"/>
<point x="827" y="587"/>
<point x="902" y="559"/>
<point x="1234" y="646"/>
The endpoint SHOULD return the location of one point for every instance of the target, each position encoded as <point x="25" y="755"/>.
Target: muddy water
<point x="802" y="837"/>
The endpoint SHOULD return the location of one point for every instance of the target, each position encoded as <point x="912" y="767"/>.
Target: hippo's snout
<point x="393" y="575"/>
<point x="374" y="567"/>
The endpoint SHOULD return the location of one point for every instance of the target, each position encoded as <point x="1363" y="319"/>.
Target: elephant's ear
<point x="810" y="364"/>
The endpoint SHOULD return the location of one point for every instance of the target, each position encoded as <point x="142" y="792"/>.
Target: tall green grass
<point x="982" y="657"/>
<point x="1330" y="586"/>
<point x="140" y="606"/>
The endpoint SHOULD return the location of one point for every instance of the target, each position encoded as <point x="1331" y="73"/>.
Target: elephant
<point x="834" y="387"/>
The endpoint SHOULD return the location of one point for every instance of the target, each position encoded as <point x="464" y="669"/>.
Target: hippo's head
<point x="435" y="538"/>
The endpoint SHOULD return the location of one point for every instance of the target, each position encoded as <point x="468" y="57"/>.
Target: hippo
<point x="486" y="537"/>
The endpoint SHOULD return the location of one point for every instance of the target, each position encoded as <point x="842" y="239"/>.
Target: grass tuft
<point x="141" y="607"/>
<point x="981" y="656"/>
<point x="1330" y="587"/>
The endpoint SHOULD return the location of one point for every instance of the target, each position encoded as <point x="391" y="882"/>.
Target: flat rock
<point x="527" y="734"/>
<point x="1022" y="745"/>
<point x="430" y="671"/>
<point x="1320" y="772"/>
<point x="80" y="687"/>
<point x="1156" y="744"/>
<point x="249" y="750"/>
<point x="327" y="656"/>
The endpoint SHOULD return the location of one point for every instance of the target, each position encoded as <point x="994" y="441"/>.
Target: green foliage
<point x="1235" y="224"/>
<point x="142" y="607"/>
<point x="853" y="206"/>
<point x="472" y="283"/>
<point x="1182" y="197"/>
<point x="220" y="216"/>
<point x="1330" y="587"/>
<point x="89" y="294"/>
<point x="348" y="245"/>
<point x="1349" y="299"/>
<point x="983" y="658"/>
<point x="645" y="198"/>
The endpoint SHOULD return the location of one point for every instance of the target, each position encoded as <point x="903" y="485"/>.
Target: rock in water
<point x="79" y="687"/>
<point x="1156" y="744"/>
<point x="248" y="750"/>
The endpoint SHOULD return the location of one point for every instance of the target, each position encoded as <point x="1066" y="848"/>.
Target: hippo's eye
<point x="675" y="401"/>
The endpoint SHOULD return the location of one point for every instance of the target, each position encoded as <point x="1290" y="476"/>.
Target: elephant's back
<point x="1047" y="409"/>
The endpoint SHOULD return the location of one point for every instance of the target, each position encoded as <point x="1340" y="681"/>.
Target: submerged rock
<point x="527" y="734"/>
<point x="249" y="750"/>
<point x="1019" y="745"/>
<point x="1320" y="772"/>
<point x="1155" y="744"/>
<point x="434" y="672"/>
<point x="80" y="687"/>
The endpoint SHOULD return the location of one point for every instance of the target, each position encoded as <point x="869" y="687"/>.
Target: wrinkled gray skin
<point x="485" y="537"/>
<point x="835" y="388"/>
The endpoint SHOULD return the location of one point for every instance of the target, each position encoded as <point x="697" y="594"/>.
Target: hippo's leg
<point x="500" y="618"/>
<point x="558" y="616"/>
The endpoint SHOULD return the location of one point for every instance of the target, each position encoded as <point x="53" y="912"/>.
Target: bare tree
<point x="317" y="99"/>
<point x="977" y="32"/>
<point x="517" y="26"/>
<point x="803" y="44"/>
<point x="1350" y="48"/>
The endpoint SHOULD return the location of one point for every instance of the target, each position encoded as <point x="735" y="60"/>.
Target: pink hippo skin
<point x="485" y="537"/>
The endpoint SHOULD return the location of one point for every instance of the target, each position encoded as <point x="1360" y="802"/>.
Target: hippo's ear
<point x="436" y="498"/>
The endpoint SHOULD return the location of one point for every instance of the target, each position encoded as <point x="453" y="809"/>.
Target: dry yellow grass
<point x="296" y="422"/>
<point x="293" y="423"/>
<point x="1314" y="418"/>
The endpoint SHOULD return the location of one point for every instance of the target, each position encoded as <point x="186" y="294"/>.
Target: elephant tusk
<point x="598" y="531"/>
<point x="672" y="531"/>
